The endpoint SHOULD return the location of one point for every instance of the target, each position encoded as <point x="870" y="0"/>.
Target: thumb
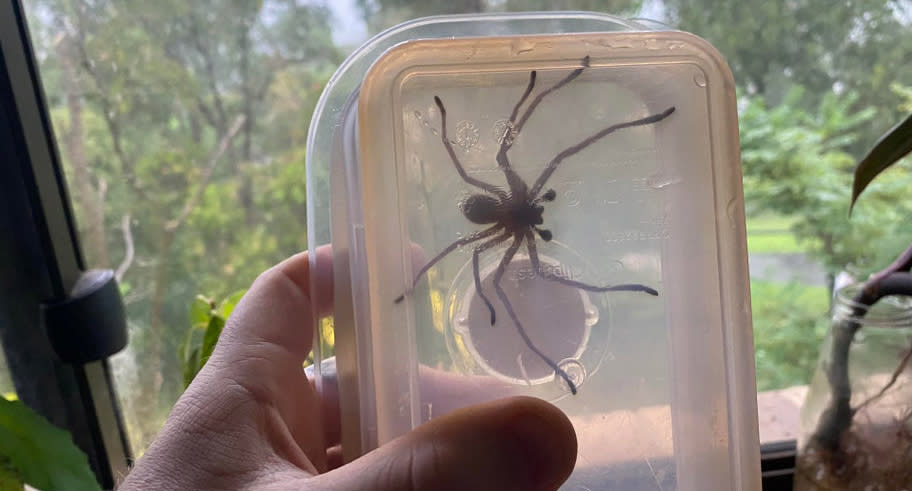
<point x="518" y="443"/>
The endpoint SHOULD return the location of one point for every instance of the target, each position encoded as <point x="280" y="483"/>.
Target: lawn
<point x="770" y="234"/>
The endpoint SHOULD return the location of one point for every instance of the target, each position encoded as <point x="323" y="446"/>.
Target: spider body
<point x="514" y="212"/>
<point x="517" y="212"/>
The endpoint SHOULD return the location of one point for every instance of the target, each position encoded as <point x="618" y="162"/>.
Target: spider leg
<point x="450" y="248"/>
<point x="536" y="264"/>
<point x="552" y="166"/>
<point x="459" y="168"/>
<point x="515" y="182"/>
<point x="535" y="102"/>
<point x="501" y="269"/>
<point x="517" y="185"/>
<point x="478" y="250"/>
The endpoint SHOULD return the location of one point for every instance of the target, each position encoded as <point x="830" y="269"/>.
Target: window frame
<point x="43" y="263"/>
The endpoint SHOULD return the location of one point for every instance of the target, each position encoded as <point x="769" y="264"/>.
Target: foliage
<point x="35" y="452"/>
<point x="144" y="98"/>
<point x="772" y="234"/>
<point x="382" y="14"/>
<point x="796" y="164"/>
<point x="207" y="318"/>
<point x="790" y="321"/>
<point x="846" y="448"/>
<point x="858" y="47"/>
<point x="892" y="147"/>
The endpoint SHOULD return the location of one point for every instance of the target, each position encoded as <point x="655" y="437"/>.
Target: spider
<point x="516" y="213"/>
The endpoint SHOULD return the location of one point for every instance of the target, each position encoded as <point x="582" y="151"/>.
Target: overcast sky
<point x="348" y="26"/>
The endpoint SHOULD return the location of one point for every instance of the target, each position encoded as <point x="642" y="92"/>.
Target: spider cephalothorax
<point x="513" y="211"/>
<point x="517" y="212"/>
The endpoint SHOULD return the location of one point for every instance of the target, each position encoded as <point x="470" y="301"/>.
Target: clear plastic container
<point x="657" y="378"/>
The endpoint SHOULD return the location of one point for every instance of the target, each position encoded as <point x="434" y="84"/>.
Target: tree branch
<point x="194" y="200"/>
<point x="209" y="67"/>
<point x="902" y="263"/>
<point x="128" y="246"/>
<point x="107" y="109"/>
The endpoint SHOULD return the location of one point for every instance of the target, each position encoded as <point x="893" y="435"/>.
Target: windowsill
<point x="778" y="414"/>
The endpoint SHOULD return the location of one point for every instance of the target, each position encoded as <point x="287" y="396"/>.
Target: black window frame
<point x="40" y="261"/>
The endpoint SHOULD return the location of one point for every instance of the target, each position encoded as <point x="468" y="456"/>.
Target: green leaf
<point x="227" y="306"/>
<point x="191" y="367"/>
<point x="216" y="324"/>
<point x="42" y="455"/>
<point x="9" y="478"/>
<point x="183" y="349"/>
<point x="891" y="147"/>
<point x="200" y="310"/>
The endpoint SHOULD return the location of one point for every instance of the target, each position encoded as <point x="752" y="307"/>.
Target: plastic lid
<point x="512" y="180"/>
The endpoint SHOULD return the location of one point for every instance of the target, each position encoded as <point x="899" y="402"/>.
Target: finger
<point x="329" y="397"/>
<point x="444" y="391"/>
<point x="330" y="390"/>
<point x="334" y="457"/>
<point x="263" y="347"/>
<point x="278" y="308"/>
<point x="519" y="443"/>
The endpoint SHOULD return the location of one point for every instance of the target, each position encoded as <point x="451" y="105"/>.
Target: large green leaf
<point x="200" y="310"/>
<point x="211" y="337"/>
<point x="891" y="147"/>
<point x="227" y="306"/>
<point x="9" y="478"/>
<point x="42" y="455"/>
<point x="191" y="366"/>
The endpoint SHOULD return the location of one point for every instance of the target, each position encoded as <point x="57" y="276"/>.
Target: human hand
<point x="251" y="419"/>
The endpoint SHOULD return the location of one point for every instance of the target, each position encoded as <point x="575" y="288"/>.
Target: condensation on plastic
<point x="666" y="393"/>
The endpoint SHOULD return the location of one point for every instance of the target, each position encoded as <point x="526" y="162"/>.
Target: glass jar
<point x="856" y="420"/>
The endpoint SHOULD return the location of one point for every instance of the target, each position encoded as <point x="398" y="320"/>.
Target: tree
<point x="381" y="14"/>
<point x="826" y="47"/>
<point x="182" y="128"/>
<point x="796" y="163"/>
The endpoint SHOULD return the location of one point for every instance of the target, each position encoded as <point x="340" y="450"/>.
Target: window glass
<point x="182" y="128"/>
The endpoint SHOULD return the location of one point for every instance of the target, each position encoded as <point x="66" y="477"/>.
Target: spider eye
<point x="549" y="195"/>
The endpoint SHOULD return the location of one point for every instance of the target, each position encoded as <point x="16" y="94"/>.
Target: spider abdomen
<point x="482" y="209"/>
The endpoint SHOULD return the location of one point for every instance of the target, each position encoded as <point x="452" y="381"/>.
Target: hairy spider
<point x="516" y="213"/>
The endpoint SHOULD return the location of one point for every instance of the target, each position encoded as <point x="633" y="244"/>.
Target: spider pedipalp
<point x="549" y="195"/>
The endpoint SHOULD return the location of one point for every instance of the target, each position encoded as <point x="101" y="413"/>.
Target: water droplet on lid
<point x="574" y="369"/>
<point x="661" y="180"/>
<point x="700" y="79"/>
<point x="592" y="316"/>
<point x="461" y="325"/>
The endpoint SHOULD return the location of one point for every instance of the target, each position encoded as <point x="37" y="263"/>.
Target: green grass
<point x="770" y="234"/>
<point x="790" y="321"/>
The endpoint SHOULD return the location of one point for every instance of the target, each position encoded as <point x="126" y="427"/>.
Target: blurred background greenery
<point x="182" y="126"/>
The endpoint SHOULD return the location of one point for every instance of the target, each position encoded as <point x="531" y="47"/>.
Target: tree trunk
<point x="246" y="191"/>
<point x="89" y="198"/>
